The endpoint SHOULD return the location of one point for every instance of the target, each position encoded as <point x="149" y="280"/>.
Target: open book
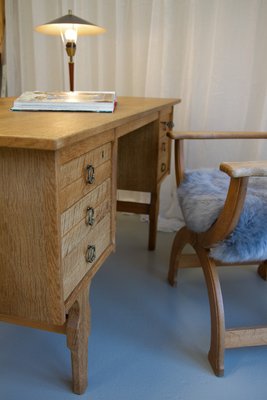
<point x="66" y="101"/>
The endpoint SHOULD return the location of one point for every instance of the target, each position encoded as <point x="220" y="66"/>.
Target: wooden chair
<point x="242" y="199"/>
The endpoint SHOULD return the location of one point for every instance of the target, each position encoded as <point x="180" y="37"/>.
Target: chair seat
<point x="201" y="197"/>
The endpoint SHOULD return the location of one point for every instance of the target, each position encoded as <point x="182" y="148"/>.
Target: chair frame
<point x="239" y="172"/>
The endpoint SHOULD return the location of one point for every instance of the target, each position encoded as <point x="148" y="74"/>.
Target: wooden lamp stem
<point x="71" y="74"/>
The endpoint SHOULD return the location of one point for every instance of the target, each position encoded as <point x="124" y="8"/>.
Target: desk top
<point x="54" y="130"/>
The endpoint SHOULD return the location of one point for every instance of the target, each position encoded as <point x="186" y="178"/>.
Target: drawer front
<point x="85" y="254"/>
<point x="85" y="174"/>
<point x="163" y="156"/>
<point x="87" y="207"/>
<point x="78" y="189"/>
<point x="79" y="220"/>
<point x="166" y="123"/>
<point x="76" y="169"/>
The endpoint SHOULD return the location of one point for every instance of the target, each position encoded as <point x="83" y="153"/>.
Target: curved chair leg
<point x="216" y="352"/>
<point x="183" y="237"/>
<point x="262" y="270"/>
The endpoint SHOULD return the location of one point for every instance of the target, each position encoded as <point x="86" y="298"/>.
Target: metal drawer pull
<point x="90" y="255"/>
<point x="168" y="124"/>
<point x="90" y="178"/>
<point x="163" y="167"/>
<point x="90" y="213"/>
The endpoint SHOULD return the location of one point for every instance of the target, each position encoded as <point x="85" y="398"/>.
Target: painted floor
<point x="148" y="340"/>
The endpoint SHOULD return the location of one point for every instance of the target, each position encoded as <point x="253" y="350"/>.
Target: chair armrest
<point x="242" y="169"/>
<point x="235" y="170"/>
<point x="216" y="135"/>
<point x="229" y="216"/>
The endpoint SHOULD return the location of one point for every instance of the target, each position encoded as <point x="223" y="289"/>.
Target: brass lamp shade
<point x="70" y="21"/>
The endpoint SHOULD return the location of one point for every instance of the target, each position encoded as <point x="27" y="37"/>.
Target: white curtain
<point x="210" y="53"/>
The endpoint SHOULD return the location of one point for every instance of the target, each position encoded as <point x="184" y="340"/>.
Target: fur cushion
<point x="201" y="196"/>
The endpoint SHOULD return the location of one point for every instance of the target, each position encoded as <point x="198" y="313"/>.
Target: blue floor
<point x="148" y="340"/>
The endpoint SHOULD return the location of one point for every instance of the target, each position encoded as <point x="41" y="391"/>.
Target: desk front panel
<point x="56" y="226"/>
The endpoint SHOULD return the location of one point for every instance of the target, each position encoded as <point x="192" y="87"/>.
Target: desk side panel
<point x="30" y="276"/>
<point x="138" y="158"/>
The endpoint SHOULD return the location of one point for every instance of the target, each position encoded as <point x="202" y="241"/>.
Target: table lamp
<point x="69" y="27"/>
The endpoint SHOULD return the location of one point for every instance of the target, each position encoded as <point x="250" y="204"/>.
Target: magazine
<point x="66" y="101"/>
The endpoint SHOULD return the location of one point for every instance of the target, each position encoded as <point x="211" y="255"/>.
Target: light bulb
<point x="70" y="35"/>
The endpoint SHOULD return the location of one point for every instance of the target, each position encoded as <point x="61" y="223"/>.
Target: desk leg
<point x="153" y="220"/>
<point x="77" y="330"/>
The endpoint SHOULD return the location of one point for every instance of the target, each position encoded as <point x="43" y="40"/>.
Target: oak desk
<point x="58" y="180"/>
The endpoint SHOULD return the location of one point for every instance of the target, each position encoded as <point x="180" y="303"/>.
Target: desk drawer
<point x="83" y="174"/>
<point x="163" y="156"/>
<point x="76" y="168"/>
<point x="166" y="123"/>
<point x="82" y="230"/>
<point x="85" y="254"/>
<point x="70" y="194"/>
<point x="165" y="127"/>
<point x="89" y="206"/>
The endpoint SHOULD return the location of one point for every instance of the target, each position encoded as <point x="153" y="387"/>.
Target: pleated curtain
<point x="210" y="53"/>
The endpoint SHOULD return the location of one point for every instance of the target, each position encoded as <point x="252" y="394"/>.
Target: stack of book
<point x="66" y="101"/>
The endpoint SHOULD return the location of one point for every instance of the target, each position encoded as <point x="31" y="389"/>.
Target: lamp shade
<point x="70" y="21"/>
<point x="69" y="27"/>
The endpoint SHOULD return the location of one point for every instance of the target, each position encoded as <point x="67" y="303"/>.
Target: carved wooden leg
<point x="77" y="330"/>
<point x="183" y="236"/>
<point x="153" y="220"/>
<point x="216" y="352"/>
<point x="262" y="270"/>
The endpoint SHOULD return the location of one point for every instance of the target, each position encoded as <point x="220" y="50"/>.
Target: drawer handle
<point x="90" y="213"/>
<point x="163" y="146"/>
<point x="168" y="124"/>
<point x="90" y="255"/>
<point x="90" y="178"/>
<point x="163" y="167"/>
